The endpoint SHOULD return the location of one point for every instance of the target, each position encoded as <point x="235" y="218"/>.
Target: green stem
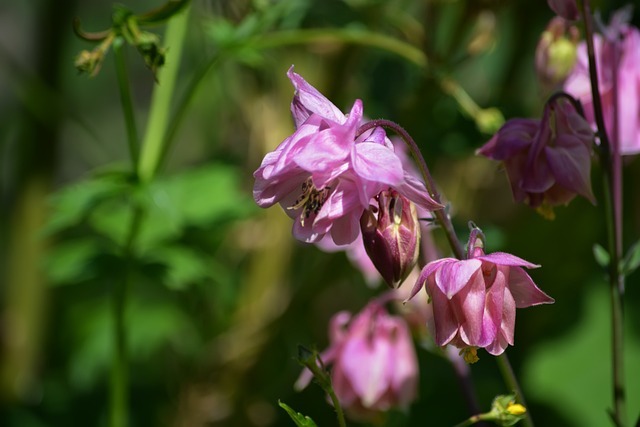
<point x="365" y="38"/>
<point x="612" y="181"/>
<point x="126" y="101"/>
<point x="152" y="146"/>
<point x="474" y="419"/>
<point x="511" y="380"/>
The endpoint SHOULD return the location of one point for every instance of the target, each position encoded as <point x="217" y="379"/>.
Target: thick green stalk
<point x="126" y="101"/>
<point x="154" y="139"/>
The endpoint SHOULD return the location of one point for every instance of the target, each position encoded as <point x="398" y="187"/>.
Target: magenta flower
<point x="374" y="362"/>
<point x="475" y="300"/>
<point x="547" y="161"/>
<point x="324" y="174"/>
<point x="617" y="55"/>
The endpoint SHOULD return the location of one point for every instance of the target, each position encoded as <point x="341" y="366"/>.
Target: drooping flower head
<point x="375" y="368"/>
<point x="617" y="54"/>
<point x="474" y="300"/>
<point x="325" y="174"/>
<point x="548" y="161"/>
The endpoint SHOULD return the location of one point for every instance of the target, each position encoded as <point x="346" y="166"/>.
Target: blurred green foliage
<point x="221" y="294"/>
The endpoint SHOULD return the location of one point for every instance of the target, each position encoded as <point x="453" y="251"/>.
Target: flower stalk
<point x="612" y="180"/>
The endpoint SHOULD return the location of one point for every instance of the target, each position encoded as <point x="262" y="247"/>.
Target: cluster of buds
<point x="126" y="27"/>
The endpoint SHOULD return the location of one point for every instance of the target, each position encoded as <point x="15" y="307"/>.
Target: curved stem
<point x="612" y="181"/>
<point x="126" y="101"/>
<point x="440" y="215"/>
<point x="512" y="382"/>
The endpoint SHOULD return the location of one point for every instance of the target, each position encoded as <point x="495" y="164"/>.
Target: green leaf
<point x="297" y="417"/>
<point x="69" y="262"/>
<point x="200" y="197"/>
<point x="571" y="372"/>
<point x="73" y="203"/>
<point x="601" y="255"/>
<point x="184" y="266"/>
<point x="632" y="259"/>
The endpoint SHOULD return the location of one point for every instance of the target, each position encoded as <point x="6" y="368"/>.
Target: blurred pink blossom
<point x="474" y="300"/>
<point x="617" y="56"/>
<point x="374" y="362"/>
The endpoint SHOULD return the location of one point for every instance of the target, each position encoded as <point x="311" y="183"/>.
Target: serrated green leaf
<point x="297" y="417"/>
<point x="68" y="262"/>
<point x="73" y="203"/>
<point x="632" y="259"/>
<point x="601" y="255"/>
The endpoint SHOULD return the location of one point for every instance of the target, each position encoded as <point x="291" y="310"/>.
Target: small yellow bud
<point x="516" y="409"/>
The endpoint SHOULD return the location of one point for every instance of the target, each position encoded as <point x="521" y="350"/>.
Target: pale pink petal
<point x="525" y="292"/>
<point x="502" y="258"/>
<point x="453" y="276"/>
<point x="309" y="100"/>
<point x="445" y="322"/>
<point x="469" y="307"/>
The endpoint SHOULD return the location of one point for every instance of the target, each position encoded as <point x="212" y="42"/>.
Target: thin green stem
<point x="119" y="393"/>
<point x="612" y="182"/>
<point x="511" y="380"/>
<point x="474" y="419"/>
<point x="126" y="101"/>
<point x="152" y="146"/>
<point x="365" y="38"/>
<point x="313" y="362"/>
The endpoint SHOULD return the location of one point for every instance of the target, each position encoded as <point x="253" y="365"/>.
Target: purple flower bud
<point x="392" y="237"/>
<point x="374" y="362"/>
<point x="568" y="9"/>
<point x="556" y="52"/>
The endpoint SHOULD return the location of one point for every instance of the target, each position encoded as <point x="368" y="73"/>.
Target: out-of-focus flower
<point x="547" y="161"/>
<point x="618" y="62"/>
<point x="374" y="363"/>
<point x="556" y="52"/>
<point x="391" y="236"/>
<point x="475" y="300"/>
<point x="324" y="175"/>
<point x="568" y="9"/>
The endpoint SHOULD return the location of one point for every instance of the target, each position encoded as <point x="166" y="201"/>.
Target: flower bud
<point x="556" y="52"/>
<point x="392" y="239"/>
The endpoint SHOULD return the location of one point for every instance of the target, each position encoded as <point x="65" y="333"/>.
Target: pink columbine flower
<point x="325" y="174"/>
<point x="547" y="161"/>
<point x="475" y="300"/>
<point x="621" y="40"/>
<point x="374" y="362"/>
